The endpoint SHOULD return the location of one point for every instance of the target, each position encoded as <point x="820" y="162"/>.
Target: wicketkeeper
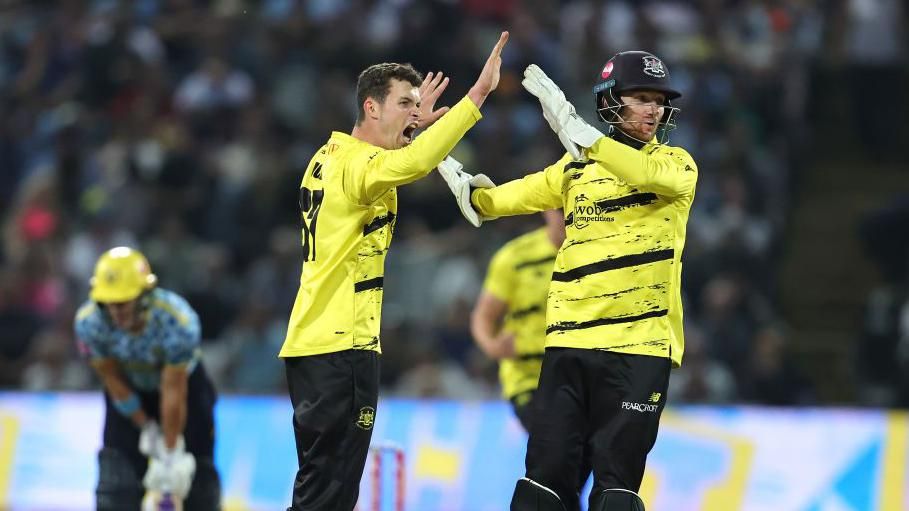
<point x="614" y="311"/>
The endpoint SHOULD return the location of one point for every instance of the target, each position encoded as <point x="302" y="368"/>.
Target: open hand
<point x="489" y="76"/>
<point x="433" y="86"/>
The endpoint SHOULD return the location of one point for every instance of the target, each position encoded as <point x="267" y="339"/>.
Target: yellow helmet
<point x="121" y="274"/>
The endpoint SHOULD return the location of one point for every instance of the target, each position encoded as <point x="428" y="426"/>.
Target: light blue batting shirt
<point x="171" y="337"/>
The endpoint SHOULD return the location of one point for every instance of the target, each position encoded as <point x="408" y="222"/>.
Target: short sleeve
<point x="90" y="333"/>
<point x="182" y="333"/>
<point x="182" y="338"/>
<point x="500" y="277"/>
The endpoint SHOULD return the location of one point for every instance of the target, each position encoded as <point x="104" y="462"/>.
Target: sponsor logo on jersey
<point x="586" y="211"/>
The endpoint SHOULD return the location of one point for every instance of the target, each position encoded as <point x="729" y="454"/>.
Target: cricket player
<point x="348" y="200"/>
<point x="508" y="321"/>
<point x="143" y="342"/>
<point x="614" y="311"/>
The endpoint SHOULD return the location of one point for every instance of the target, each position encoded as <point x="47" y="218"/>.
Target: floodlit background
<point x="182" y="127"/>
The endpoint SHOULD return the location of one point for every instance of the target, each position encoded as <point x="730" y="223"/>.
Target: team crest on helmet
<point x="654" y="67"/>
<point x="607" y="69"/>
<point x="111" y="276"/>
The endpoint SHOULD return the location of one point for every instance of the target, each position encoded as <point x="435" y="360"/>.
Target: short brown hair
<point x="375" y="82"/>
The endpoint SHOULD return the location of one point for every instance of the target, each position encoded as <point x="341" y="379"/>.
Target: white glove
<point x="461" y="183"/>
<point x="573" y="131"/>
<point x="150" y="438"/>
<point x="172" y="472"/>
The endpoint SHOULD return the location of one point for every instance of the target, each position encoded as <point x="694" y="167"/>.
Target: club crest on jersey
<point x="654" y="67"/>
<point x="367" y="417"/>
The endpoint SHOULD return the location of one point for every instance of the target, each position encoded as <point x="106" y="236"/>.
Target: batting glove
<point x="461" y="184"/>
<point x="171" y="472"/>
<point x="573" y="131"/>
<point x="150" y="438"/>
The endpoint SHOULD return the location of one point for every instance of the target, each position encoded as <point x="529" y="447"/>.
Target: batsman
<point x="143" y="342"/>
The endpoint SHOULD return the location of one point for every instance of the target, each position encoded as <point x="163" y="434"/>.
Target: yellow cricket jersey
<point x="348" y="202"/>
<point x="616" y="282"/>
<point x="519" y="275"/>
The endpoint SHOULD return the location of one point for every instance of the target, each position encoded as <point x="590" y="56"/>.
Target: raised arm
<point x="667" y="171"/>
<point x="480" y="200"/>
<point x="370" y="175"/>
<point x="489" y="76"/>
<point x="533" y="193"/>
<point x="366" y="181"/>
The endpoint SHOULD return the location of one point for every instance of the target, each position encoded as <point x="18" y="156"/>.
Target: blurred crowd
<point x="883" y="350"/>
<point x="182" y="127"/>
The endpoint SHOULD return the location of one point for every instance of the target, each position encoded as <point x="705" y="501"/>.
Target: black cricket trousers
<point x="604" y="404"/>
<point x="334" y="398"/>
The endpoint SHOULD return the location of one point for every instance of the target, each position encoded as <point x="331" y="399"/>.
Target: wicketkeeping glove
<point x="461" y="184"/>
<point x="573" y="131"/>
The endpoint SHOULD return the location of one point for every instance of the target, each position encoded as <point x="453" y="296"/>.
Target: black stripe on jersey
<point x="520" y="313"/>
<point x="529" y="356"/>
<point x="366" y="285"/>
<point x="612" y="264"/>
<point x="534" y="262"/>
<point x="628" y="201"/>
<point x="575" y="165"/>
<point x="378" y="223"/>
<point x="370" y="344"/>
<point x="570" y="219"/>
<point x="576" y="325"/>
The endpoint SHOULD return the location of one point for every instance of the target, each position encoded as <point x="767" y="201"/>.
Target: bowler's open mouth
<point x="409" y="133"/>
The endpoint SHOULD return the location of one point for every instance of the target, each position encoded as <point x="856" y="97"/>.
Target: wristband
<point x="128" y="406"/>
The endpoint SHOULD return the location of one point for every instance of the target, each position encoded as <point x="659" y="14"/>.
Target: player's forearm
<point x="484" y="332"/>
<point x="661" y="174"/>
<point x="124" y="399"/>
<point x="173" y="420"/>
<point x="529" y="194"/>
<point x="173" y="408"/>
<point x="433" y="145"/>
<point x="406" y="165"/>
<point x="477" y="95"/>
<point x="486" y="322"/>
